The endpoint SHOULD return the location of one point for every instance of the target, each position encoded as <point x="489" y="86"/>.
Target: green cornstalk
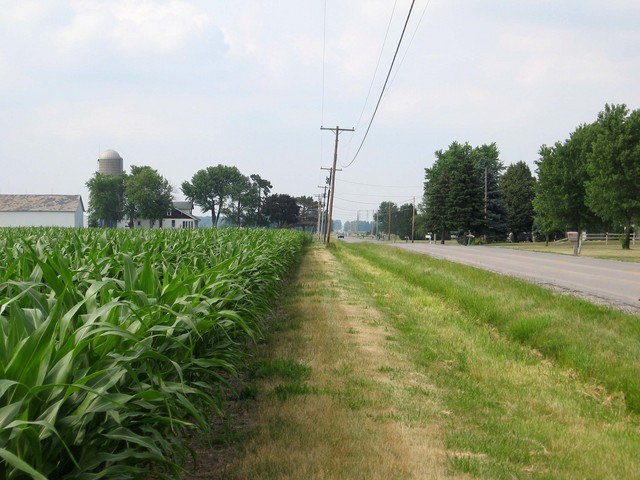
<point x="114" y="342"/>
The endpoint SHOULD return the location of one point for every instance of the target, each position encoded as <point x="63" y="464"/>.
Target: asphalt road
<point x="608" y="281"/>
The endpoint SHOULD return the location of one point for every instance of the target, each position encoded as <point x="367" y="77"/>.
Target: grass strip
<point x="536" y="385"/>
<point x="329" y="399"/>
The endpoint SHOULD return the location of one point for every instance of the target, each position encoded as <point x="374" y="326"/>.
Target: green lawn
<point x="595" y="249"/>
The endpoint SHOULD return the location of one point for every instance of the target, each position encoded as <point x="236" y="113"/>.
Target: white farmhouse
<point x="179" y="216"/>
<point x="41" y="211"/>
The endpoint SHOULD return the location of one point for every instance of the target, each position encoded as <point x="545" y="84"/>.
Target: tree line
<point x="222" y="190"/>
<point x="591" y="180"/>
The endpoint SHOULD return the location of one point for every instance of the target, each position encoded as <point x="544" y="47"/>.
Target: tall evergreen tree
<point x="466" y="195"/>
<point x="517" y="186"/>
<point x="436" y="197"/>
<point x="494" y="225"/>
<point x="403" y="220"/>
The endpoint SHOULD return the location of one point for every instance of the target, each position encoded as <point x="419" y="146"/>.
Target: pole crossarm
<point x="337" y="131"/>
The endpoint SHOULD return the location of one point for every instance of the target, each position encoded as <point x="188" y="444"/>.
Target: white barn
<point x="41" y="211"/>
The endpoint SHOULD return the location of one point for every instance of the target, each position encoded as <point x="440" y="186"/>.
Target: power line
<point x="375" y="195"/>
<point x="381" y="186"/>
<point x="424" y="11"/>
<point x="384" y="86"/>
<point x="375" y="73"/>
<point x="355" y="201"/>
<point x="324" y="47"/>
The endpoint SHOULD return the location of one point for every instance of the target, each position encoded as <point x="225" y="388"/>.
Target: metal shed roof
<point x="40" y="203"/>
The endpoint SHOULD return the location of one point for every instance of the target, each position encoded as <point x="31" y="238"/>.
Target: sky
<point x="181" y="85"/>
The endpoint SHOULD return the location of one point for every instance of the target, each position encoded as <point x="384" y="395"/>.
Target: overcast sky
<point x="181" y="85"/>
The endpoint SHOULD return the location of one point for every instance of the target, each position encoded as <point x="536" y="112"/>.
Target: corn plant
<point x="114" y="343"/>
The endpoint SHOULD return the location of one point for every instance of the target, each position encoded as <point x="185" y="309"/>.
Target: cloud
<point x="133" y="26"/>
<point x="275" y="35"/>
<point x="132" y="117"/>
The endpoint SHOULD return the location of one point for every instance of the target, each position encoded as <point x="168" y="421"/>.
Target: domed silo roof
<point x="110" y="163"/>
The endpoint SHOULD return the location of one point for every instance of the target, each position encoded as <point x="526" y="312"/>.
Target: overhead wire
<point x="324" y="48"/>
<point x="407" y="200"/>
<point x="374" y="195"/>
<point x="384" y="86"/>
<point x="379" y="186"/>
<point x="375" y="72"/>
<point x="424" y="11"/>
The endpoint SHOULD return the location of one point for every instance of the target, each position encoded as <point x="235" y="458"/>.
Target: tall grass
<point x="114" y="343"/>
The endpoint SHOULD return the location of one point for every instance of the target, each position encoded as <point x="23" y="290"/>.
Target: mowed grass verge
<point x="536" y="385"/>
<point x="330" y="397"/>
<point x="597" y="249"/>
<point x="386" y="364"/>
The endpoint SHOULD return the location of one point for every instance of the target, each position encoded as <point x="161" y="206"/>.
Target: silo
<point x="110" y="163"/>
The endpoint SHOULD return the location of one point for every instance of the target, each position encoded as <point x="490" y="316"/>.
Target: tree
<point x="489" y="167"/>
<point x="263" y="188"/>
<point x="359" y="226"/>
<point x="454" y="189"/>
<point x="436" y="198"/>
<point x="466" y="193"/>
<point x="242" y="197"/>
<point x="385" y="218"/>
<point x="403" y="220"/>
<point x="517" y="186"/>
<point x="210" y="188"/>
<point x="308" y="216"/>
<point x="282" y="209"/>
<point x="613" y="189"/>
<point x="106" y="199"/>
<point x="148" y="194"/>
<point x="560" y="191"/>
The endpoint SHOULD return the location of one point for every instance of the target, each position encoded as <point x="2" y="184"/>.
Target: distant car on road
<point x="340" y="234"/>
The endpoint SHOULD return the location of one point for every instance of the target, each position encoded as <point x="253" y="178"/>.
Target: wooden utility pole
<point x="337" y="131"/>
<point x="413" y="220"/>
<point x="319" y="213"/>
<point x="486" y="202"/>
<point x="322" y="214"/>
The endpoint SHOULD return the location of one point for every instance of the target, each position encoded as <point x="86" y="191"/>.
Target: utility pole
<point x="318" y="214"/>
<point x="337" y="131"/>
<point x="389" y="224"/>
<point x="486" y="201"/>
<point x="322" y="215"/>
<point x="326" y="212"/>
<point x="413" y="221"/>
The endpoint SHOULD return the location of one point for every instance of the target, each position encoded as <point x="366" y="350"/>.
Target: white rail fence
<point x="601" y="237"/>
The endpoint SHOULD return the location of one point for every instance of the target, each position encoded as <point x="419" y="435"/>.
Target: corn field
<point x="113" y="343"/>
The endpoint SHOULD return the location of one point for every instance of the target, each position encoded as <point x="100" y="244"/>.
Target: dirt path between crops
<point x="364" y="411"/>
